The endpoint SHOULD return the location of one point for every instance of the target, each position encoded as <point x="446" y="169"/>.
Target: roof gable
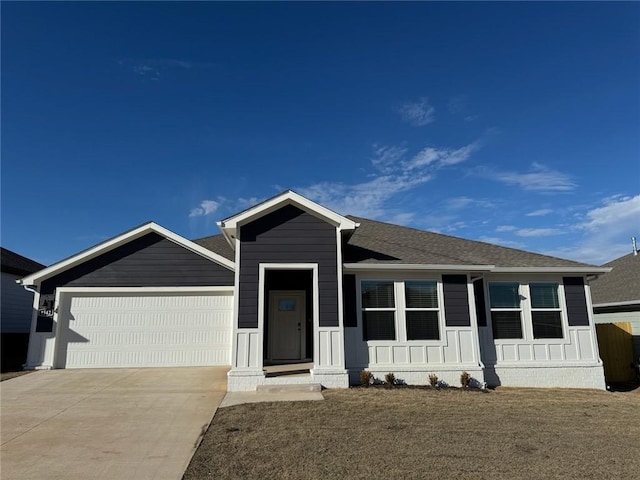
<point x="229" y="225"/>
<point x="118" y="241"/>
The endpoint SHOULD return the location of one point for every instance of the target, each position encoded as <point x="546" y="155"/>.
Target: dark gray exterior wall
<point x="350" y="312"/>
<point x="148" y="261"/>
<point x="456" y="301"/>
<point x="577" y="312"/>
<point x="288" y="235"/>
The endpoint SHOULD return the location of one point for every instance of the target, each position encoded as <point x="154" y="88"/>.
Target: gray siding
<point x="17" y="306"/>
<point x="576" y="301"/>
<point x="350" y="313"/>
<point x="478" y="295"/>
<point x="456" y="301"/>
<point x="288" y="235"/>
<point x="148" y="261"/>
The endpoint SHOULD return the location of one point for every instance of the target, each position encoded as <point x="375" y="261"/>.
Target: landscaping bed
<point x="427" y="433"/>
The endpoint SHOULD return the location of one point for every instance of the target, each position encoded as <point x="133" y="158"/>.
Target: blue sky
<point x="513" y="123"/>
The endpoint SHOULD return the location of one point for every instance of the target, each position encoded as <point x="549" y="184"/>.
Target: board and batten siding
<point x="148" y="261"/>
<point x="288" y="235"/>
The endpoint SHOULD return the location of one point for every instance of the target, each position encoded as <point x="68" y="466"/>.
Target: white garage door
<point x="144" y="330"/>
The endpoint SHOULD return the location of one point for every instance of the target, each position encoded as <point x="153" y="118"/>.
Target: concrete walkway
<point x="106" y="423"/>
<point x="275" y="393"/>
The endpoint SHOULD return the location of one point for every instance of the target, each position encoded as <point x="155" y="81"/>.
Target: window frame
<point x="393" y="309"/>
<point x="557" y="309"/>
<point x="400" y="309"/>
<point x="436" y="309"/>
<point x="519" y="309"/>
<point x="526" y="316"/>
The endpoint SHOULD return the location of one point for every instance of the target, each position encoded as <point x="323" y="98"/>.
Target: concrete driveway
<point x="106" y="423"/>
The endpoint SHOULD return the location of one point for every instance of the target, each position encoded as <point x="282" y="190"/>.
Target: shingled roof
<point x="386" y="243"/>
<point x="379" y="242"/>
<point x="217" y="244"/>
<point x="17" y="264"/>
<point x="621" y="285"/>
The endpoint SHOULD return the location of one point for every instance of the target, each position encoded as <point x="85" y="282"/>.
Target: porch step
<point x="289" y="388"/>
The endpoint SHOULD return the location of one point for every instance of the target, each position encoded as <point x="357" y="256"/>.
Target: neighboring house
<point x="616" y="307"/>
<point x="290" y="281"/>
<point x="17" y="307"/>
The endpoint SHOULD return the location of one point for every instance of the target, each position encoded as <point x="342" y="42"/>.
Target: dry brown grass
<point x="408" y="434"/>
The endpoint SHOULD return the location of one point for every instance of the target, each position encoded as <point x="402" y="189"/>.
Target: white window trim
<point x="400" y="322"/>
<point x="525" y="315"/>
<point x="520" y="309"/>
<point x="440" y="299"/>
<point x="532" y="310"/>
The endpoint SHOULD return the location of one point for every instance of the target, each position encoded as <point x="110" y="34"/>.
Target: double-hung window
<point x="378" y="310"/>
<point x="506" y="310"/>
<point x="545" y="310"/>
<point x="421" y="310"/>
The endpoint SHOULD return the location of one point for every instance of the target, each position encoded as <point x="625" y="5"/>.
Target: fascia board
<point x="583" y="270"/>
<point x="342" y="223"/>
<point x="416" y="266"/>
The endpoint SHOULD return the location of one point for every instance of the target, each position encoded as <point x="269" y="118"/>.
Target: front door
<point x="287" y="325"/>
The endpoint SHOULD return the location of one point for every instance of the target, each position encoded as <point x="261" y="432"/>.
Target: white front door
<point x="287" y="325"/>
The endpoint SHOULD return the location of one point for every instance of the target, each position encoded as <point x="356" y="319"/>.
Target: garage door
<point x="150" y="330"/>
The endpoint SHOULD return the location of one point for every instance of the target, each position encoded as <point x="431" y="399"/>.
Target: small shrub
<point x="433" y="380"/>
<point x="366" y="378"/>
<point x="390" y="379"/>
<point x="465" y="379"/>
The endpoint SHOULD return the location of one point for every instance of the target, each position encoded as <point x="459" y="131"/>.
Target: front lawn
<point x="408" y="433"/>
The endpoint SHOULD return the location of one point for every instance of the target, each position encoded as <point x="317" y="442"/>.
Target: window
<point x="545" y="310"/>
<point x="506" y="313"/>
<point x="421" y="300"/>
<point x="378" y="310"/>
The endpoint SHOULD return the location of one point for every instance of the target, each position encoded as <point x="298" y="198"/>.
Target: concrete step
<point x="289" y="388"/>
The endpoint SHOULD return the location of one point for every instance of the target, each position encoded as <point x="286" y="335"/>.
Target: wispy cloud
<point x="441" y="156"/>
<point x="386" y="158"/>
<point x="459" y="203"/>
<point x="207" y="207"/>
<point x="418" y="113"/>
<point x="506" y="228"/>
<point x="538" y="232"/>
<point x="538" y="179"/>
<point x="540" y="213"/>
<point x="154" y="68"/>
<point x="457" y="104"/>
<point x="394" y="172"/>
<point x="501" y="241"/>
<point x="606" y="231"/>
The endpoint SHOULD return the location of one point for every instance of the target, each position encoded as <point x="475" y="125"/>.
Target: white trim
<point x="582" y="270"/>
<point x="471" y="268"/>
<point x="616" y="304"/>
<point x="118" y="241"/>
<point x="143" y="290"/>
<point x="415" y="266"/>
<point x="229" y="225"/>
<point x="262" y="274"/>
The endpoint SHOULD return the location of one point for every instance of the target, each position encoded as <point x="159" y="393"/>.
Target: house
<point x="17" y="307"/>
<point x="289" y="281"/>
<point x="616" y="307"/>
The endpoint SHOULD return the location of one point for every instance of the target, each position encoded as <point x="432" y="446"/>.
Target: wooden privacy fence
<point x="615" y="343"/>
